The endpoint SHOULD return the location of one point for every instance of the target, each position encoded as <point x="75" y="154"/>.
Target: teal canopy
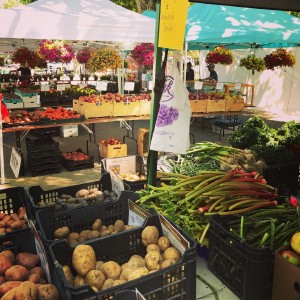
<point x="209" y="25"/>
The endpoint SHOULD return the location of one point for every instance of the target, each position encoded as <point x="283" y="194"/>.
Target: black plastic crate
<point x="175" y="282"/>
<point x="247" y="271"/>
<point x="284" y="177"/>
<point x="46" y="132"/>
<point x="46" y="171"/>
<point x="81" y="166"/>
<point x="73" y="165"/>
<point x="36" y="194"/>
<point x="43" y="148"/>
<point x="77" y="220"/>
<point x="36" y="161"/>
<point x="38" y="141"/>
<point x="126" y="295"/>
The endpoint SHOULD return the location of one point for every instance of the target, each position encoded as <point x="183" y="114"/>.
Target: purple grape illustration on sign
<point x="166" y="115"/>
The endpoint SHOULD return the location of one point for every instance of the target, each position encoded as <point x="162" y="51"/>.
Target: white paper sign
<point x="101" y="85"/>
<point x="120" y="165"/>
<point x="15" y="162"/>
<point x="92" y="82"/>
<point x="137" y="215"/>
<point x="129" y="86"/>
<point x="198" y="85"/>
<point x="61" y="87"/>
<point x="237" y="86"/>
<point x="117" y="184"/>
<point x="220" y="86"/>
<point x="45" y="87"/>
<point x="150" y="85"/>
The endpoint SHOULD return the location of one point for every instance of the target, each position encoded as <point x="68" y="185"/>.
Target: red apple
<point x="291" y="256"/>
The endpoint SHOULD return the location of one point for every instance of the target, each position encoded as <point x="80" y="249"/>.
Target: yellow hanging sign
<point x="173" y="15"/>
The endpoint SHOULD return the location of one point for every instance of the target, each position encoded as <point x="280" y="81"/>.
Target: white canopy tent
<point x="87" y="21"/>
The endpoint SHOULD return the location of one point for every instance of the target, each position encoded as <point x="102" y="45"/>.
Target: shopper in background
<point x="190" y="76"/>
<point x="213" y="76"/>
<point x="23" y="70"/>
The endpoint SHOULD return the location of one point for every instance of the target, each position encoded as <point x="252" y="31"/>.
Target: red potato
<point x="39" y="271"/>
<point x="3" y="224"/>
<point x="7" y="286"/>
<point x="2" y="230"/>
<point x="15" y="225"/>
<point x="9" y="222"/>
<point x="10" y="295"/>
<point x="27" y="260"/>
<point x="2" y="279"/>
<point x="22" y="213"/>
<point x="5" y="264"/>
<point x="7" y="218"/>
<point x="35" y="278"/>
<point x="15" y="216"/>
<point x="9" y="255"/>
<point x="2" y="215"/>
<point x="16" y="273"/>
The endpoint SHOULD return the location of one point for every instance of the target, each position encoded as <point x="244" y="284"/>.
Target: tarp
<point x="80" y="20"/>
<point x="239" y="27"/>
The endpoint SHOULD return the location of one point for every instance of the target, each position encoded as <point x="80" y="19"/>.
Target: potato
<point x="166" y="263"/>
<point x="79" y="280"/>
<point x="27" y="260"/>
<point x="125" y="272"/>
<point x="93" y="234"/>
<point x="107" y="284"/>
<point x="2" y="230"/>
<point x="105" y="233"/>
<point x="16" y="225"/>
<point x="82" y="193"/>
<point x="152" y="247"/>
<point x="110" y="228"/>
<point x="7" y="218"/>
<point x="84" y="233"/>
<point x="84" y="259"/>
<point x="47" y="292"/>
<point x="120" y="225"/>
<point x="150" y="235"/>
<point x="61" y="232"/>
<point x="81" y="239"/>
<point x="16" y="273"/>
<point x="111" y="269"/>
<point x="26" y="291"/>
<point x="153" y="260"/>
<point x="163" y="243"/>
<point x="123" y="266"/>
<point x="7" y="286"/>
<point x="14" y="216"/>
<point x="35" y="278"/>
<point x="68" y="274"/>
<point x="4" y="264"/>
<point x="10" y="295"/>
<point x="39" y="271"/>
<point x="2" y="279"/>
<point x="136" y="261"/>
<point x="172" y="253"/>
<point x="138" y="273"/>
<point x="73" y="242"/>
<point x="3" y="224"/>
<point x="128" y="227"/>
<point x="103" y="227"/>
<point x="9" y="255"/>
<point x="97" y="224"/>
<point x="73" y="236"/>
<point x="99" y="263"/>
<point x="118" y="282"/>
<point x="95" y="278"/>
<point x="21" y="213"/>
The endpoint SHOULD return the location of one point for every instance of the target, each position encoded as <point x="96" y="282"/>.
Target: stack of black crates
<point x="43" y="155"/>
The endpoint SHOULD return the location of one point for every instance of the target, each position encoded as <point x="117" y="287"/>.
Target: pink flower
<point x="293" y="201"/>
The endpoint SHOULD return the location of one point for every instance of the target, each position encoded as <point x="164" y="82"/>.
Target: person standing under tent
<point x="189" y="76"/>
<point x="213" y="76"/>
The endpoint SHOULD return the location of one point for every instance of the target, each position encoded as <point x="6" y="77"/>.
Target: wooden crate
<point x="235" y="104"/>
<point x="143" y="141"/>
<point x="96" y="110"/>
<point x="216" y="105"/>
<point x="198" y="106"/>
<point x="145" y="108"/>
<point x="76" y="105"/>
<point x="111" y="151"/>
<point x="122" y="109"/>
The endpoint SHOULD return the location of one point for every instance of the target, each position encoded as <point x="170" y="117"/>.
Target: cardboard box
<point x="286" y="278"/>
<point x="30" y="99"/>
<point x="31" y="104"/>
<point x="111" y="151"/>
<point x="75" y="105"/>
<point x="68" y="130"/>
<point x="143" y="141"/>
<point x="198" y="106"/>
<point x="122" y="109"/>
<point x="13" y="105"/>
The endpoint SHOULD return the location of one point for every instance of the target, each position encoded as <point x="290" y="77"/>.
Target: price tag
<point x="92" y="82"/>
<point x="220" y="86"/>
<point x="150" y="85"/>
<point x="101" y="85"/>
<point x="40" y="250"/>
<point x="45" y="87"/>
<point x="237" y="86"/>
<point x="137" y="215"/>
<point x="15" y="162"/>
<point x="139" y="296"/>
<point x="67" y="85"/>
<point x="61" y="87"/>
<point x="116" y="183"/>
<point x="144" y="77"/>
<point x="122" y="165"/>
<point x="198" y="85"/>
<point x="129" y="86"/>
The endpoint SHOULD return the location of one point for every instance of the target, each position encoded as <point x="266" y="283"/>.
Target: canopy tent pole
<point x="153" y="155"/>
<point x="2" y="170"/>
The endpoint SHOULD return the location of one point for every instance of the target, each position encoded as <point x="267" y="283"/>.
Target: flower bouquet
<point x="1" y="61"/>
<point x="83" y="55"/>
<point x="103" y="59"/>
<point x="253" y="63"/>
<point x="24" y="55"/>
<point x="220" y="55"/>
<point x="279" y="58"/>
<point x="55" y="51"/>
<point x="143" y="55"/>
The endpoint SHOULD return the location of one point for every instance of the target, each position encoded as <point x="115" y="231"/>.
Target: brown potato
<point x="118" y="282"/>
<point x="152" y="247"/>
<point x="61" y="232"/>
<point x="150" y="235"/>
<point x="73" y="242"/>
<point x="136" y="261"/>
<point x="9" y="255"/>
<point x="7" y="286"/>
<point x="111" y="269"/>
<point x="172" y="253"/>
<point x="16" y="225"/>
<point x="81" y="239"/>
<point x="84" y="259"/>
<point x="7" y="218"/>
<point x="3" y="224"/>
<point x="39" y="271"/>
<point x="10" y="295"/>
<point x="97" y="225"/>
<point x="128" y="227"/>
<point x="79" y="280"/>
<point x="99" y="263"/>
<point x="125" y="272"/>
<point x="95" y="278"/>
<point x="2" y="230"/>
<point x="68" y="274"/>
<point x="110" y="228"/>
<point x="26" y="291"/>
<point x="103" y="227"/>
<point x="138" y="273"/>
<point x="27" y="260"/>
<point x="166" y="263"/>
<point x="105" y="233"/>
<point x="153" y="260"/>
<point x="85" y="233"/>
<point x="47" y="292"/>
<point x="108" y="283"/>
<point x="35" y="278"/>
<point x="163" y="243"/>
<point x="14" y="216"/>
<point x="119" y="224"/>
<point x="93" y="234"/>
<point x="4" y="264"/>
<point x="16" y="273"/>
<point x="2" y="279"/>
<point x="73" y="236"/>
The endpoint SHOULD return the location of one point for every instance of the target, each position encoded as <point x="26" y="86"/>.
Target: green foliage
<point x="129" y="4"/>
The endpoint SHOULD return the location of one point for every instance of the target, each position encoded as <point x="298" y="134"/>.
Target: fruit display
<point x="293" y="255"/>
<point x="24" y="116"/>
<point x="60" y="113"/>
<point x="75" y="156"/>
<point x="109" y="97"/>
<point x="97" y="229"/>
<point x="22" y="277"/>
<point x="101" y="275"/>
<point x="12" y="222"/>
<point x="82" y="198"/>
<point x="207" y="96"/>
<point x="111" y="141"/>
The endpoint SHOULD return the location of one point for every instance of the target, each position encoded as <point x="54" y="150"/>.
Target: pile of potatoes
<point x="22" y="278"/>
<point x="101" y="275"/>
<point x="82" y="198"/>
<point x="12" y="222"/>
<point x="98" y="229"/>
